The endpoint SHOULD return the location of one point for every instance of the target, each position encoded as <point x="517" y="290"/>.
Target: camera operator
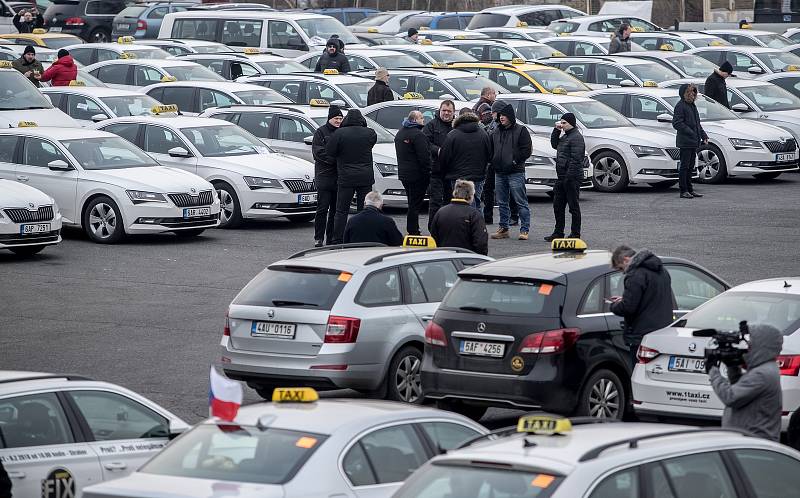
<point x="754" y="401"/>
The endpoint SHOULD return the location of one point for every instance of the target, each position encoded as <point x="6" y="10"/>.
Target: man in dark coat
<point x="333" y="58"/>
<point x="511" y="147"/>
<point x="465" y="153"/>
<point x="715" y="87"/>
<point x="412" y="36"/>
<point x="488" y="96"/>
<point x="488" y="198"/>
<point x="380" y="91"/>
<point x="371" y="225"/>
<point x="459" y="224"/>
<point x="570" y="153"/>
<point x="27" y="20"/>
<point x="646" y="303"/>
<point x="436" y="130"/>
<point x="325" y="178"/>
<point x="351" y="145"/>
<point x="5" y="483"/>
<point x="413" y="166"/>
<point x="621" y="40"/>
<point x="686" y="120"/>
<point x="29" y="65"/>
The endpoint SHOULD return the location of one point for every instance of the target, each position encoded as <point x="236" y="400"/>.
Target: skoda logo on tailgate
<point x="270" y="313"/>
<point x="481" y="327"/>
<point x="692" y="347"/>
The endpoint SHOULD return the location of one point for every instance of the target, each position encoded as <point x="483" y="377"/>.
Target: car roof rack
<point x="633" y="442"/>
<point x="335" y="247"/>
<point x="44" y="377"/>
<point x="378" y="259"/>
<point x="512" y="429"/>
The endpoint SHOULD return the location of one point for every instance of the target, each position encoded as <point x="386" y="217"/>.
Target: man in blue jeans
<point x="511" y="147"/>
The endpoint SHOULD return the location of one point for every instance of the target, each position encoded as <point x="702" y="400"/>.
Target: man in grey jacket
<point x="754" y="403"/>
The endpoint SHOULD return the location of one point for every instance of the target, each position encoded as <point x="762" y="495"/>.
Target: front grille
<point x="204" y="198"/>
<point x="17" y="215"/>
<point x="776" y="146"/>
<point x="674" y="152"/>
<point x="207" y="221"/>
<point x="300" y="186"/>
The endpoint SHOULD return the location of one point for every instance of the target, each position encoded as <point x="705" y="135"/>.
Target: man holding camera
<point x="754" y="402"/>
<point x="27" y="20"/>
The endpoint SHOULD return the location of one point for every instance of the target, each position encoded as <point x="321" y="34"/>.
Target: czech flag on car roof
<point x="224" y="396"/>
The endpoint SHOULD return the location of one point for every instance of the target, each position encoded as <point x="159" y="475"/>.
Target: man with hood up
<point x="686" y="120"/>
<point x="332" y="57"/>
<point x="325" y="178"/>
<point x="351" y="145"/>
<point x="754" y="403"/>
<point x="646" y="303"/>
<point x="465" y="153"/>
<point x="62" y="71"/>
<point x="413" y="166"/>
<point x="511" y="147"/>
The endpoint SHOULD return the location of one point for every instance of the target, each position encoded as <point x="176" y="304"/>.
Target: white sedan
<point x="108" y="186"/>
<point x="29" y="218"/>
<point x="88" y="105"/>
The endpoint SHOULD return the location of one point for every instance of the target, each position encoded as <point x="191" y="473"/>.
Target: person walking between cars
<point x="436" y="131"/>
<point x="570" y="155"/>
<point x="465" y="153"/>
<point x="380" y="91"/>
<point x="371" y="225"/>
<point x="26" y="20"/>
<point x="333" y="58"/>
<point x="325" y="178"/>
<point x="511" y="147"/>
<point x="351" y="145"/>
<point x="62" y="71"/>
<point x="715" y="87"/>
<point x="686" y="120"/>
<point x="646" y="302"/>
<point x="621" y="40"/>
<point x="29" y="66"/>
<point x="460" y="224"/>
<point x="413" y="166"/>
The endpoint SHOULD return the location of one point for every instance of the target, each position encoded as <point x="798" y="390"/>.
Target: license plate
<point x="273" y="329"/>
<point x="683" y="364"/>
<point x="195" y="212"/>
<point x="306" y="198"/>
<point x="55" y="29"/>
<point x="785" y="157"/>
<point x="494" y="349"/>
<point x="34" y="228"/>
<point x="123" y="26"/>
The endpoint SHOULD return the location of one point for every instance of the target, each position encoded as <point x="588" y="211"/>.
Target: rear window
<point x="295" y="287"/>
<point x="132" y="11"/>
<point x="416" y="22"/>
<point x="515" y="297"/>
<point x="445" y="481"/>
<point x="781" y="311"/>
<point x="487" y="20"/>
<point x="563" y="27"/>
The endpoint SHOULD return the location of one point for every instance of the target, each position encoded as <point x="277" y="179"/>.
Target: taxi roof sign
<point x="439" y="65"/>
<point x="168" y="79"/>
<point x="124" y="40"/>
<point x="330" y="71"/>
<point x="27" y="124"/>
<point x="127" y="55"/>
<point x="576" y="245"/>
<point x="164" y="109"/>
<point x="38" y="31"/>
<point x="77" y="83"/>
<point x="5" y="64"/>
<point x="558" y="53"/>
<point x="543" y="424"/>
<point x="372" y="30"/>
<point x="419" y="241"/>
<point x="716" y="43"/>
<point x="522" y="24"/>
<point x="425" y="41"/>
<point x="424" y="28"/>
<point x="412" y="96"/>
<point x="460" y="37"/>
<point x="792" y="67"/>
<point x="559" y="91"/>
<point x="251" y="51"/>
<point x="319" y="103"/>
<point x="518" y="60"/>
<point x="649" y="84"/>
<point x="294" y="395"/>
<point x="666" y="47"/>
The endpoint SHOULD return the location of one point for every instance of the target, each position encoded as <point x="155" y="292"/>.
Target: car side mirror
<point x="59" y="165"/>
<point x="664" y="118"/>
<point x="527" y="89"/>
<point x="339" y="103"/>
<point x="309" y="140"/>
<point x="447" y="96"/>
<point x="755" y="70"/>
<point x="99" y="117"/>
<point x="176" y="428"/>
<point x="178" y="152"/>
<point x="627" y="83"/>
<point x="740" y="107"/>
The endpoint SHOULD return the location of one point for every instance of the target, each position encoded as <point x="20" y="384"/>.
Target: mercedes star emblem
<point x="481" y="327"/>
<point x="692" y="347"/>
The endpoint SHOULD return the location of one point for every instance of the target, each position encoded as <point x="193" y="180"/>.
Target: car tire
<point x="27" y="250"/>
<point x="610" y="172"/>
<point x="230" y="210"/>
<point x="602" y="396"/>
<point x="99" y="35"/>
<point x="711" y="166"/>
<point x="663" y="185"/>
<point x="301" y="218"/>
<point x="102" y="221"/>
<point x="404" y="379"/>
<point x="474" y="412"/>
<point x="767" y="176"/>
<point x="192" y="232"/>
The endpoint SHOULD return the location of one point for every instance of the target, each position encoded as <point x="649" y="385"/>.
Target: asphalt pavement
<point x="148" y="313"/>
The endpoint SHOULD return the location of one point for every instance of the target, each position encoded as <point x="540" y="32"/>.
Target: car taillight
<point x="74" y="21"/>
<point x="434" y="335"/>
<point x="342" y="329"/>
<point x="549" y="341"/>
<point x="646" y="355"/>
<point x="141" y="25"/>
<point x="226" y="331"/>
<point x="789" y="364"/>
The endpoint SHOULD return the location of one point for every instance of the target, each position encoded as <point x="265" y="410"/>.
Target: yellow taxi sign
<point x="168" y="79"/>
<point x="649" y="84"/>
<point x="164" y="109"/>
<point x="372" y="30"/>
<point x="425" y="41"/>
<point x="518" y="60"/>
<point x="294" y="395"/>
<point x="745" y="26"/>
<point x="412" y="96"/>
<point x="424" y="28"/>
<point x="439" y="65"/>
<point x="637" y="29"/>
<point x="564" y="34"/>
<point x="38" y="31"/>
<point x="559" y="91"/>
<point x="5" y="64"/>
<point x="543" y="424"/>
<point x="27" y="124"/>
<point x="568" y="245"/>
<point x="419" y="241"/>
<point x="460" y="37"/>
<point x="330" y="71"/>
<point x="558" y="53"/>
<point x="251" y="51"/>
<point x="124" y="40"/>
<point x="666" y="47"/>
<point x="77" y="83"/>
<point x="716" y="43"/>
<point x="319" y="103"/>
<point x="522" y="24"/>
<point x="792" y="67"/>
<point x="127" y="55"/>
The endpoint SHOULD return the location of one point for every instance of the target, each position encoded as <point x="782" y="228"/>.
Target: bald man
<point x="414" y="166"/>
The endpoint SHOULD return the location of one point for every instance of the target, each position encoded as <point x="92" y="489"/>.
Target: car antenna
<point x="786" y="284"/>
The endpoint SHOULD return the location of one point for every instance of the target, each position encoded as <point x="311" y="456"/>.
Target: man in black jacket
<point x="371" y="225"/>
<point x="646" y="302"/>
<point x="413" y="166"/>
<point x="351" y="145"/>
<point x="570" y="153"/>
<point x="436" y="130"/>
<point x="715" y="87"/>
<point x="459" y="224"/>
<point x="465" y="153"/>
<point x="686" y="120"/>
<point x="325" y="178"/>
<point x="380" y="91"/>
<point x="488" y="196"/>
<point x="511" y="147"/>
<point x="27" y="20"/>
<point x="488" y="96"/>
<point x="333" y="58"/>
<point x="5" y="483"/>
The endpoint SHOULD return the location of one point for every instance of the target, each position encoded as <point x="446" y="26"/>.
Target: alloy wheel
<point x="604" y="399"/>
<point x="103" y="220"/>
<point x="607" y="172"/>
<point x="708" y="164"/>
<point x="226" y="205"/>
<point x="408" y="379"/>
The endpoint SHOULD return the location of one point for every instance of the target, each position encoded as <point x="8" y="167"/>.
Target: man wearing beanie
<point x="511" y="147"/>
<point x="380" y="91"/>
<point x="488" y="196"/>
<point x="325" y="178"/>
<point x="332" y="57"/>
<point x="715" y="84"/>
<point x="570" y="154"/>
<point x="62" y="71"/>
<point x="29" y="66"/>
<point x="413" y="35"/>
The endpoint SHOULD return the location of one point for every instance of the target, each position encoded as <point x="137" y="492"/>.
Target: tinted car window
<point x="691" y="287"/>
<point x="103" y="7"/>
<point x="488" y="20"/>
<point x="159" y="140"/>
<point x="116" y="74"/>
<point x="703" y="474"/>
<point x="128" y="131"/>
<point x="198" y="29"/>
<point x="183" y="97"/>
<point x="505" y="296"/>
<point x="257" y="123"/>
<point x="241" y="33"/>
<point x="395" y="452"/>
<point x="437" y="278"/>
<point x="111" y="416"/>
<point x="8" y="144"/>
<point x="38" y="152"/>
<point x="770" y="473"/>
<point x="295" y="288"/>
<point x="380" y="288"/>
<point x="622" y="484"/>
<point x="83" y="108"/>
<point x="357" y="467"/>
<point x="448" y="23"/>
<point x="34" y="420"/>
<point x="613" y="100"/>
<point x="446" y="435"/>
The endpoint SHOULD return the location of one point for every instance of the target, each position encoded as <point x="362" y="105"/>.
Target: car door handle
<point x="16" y="475"/>
<point x="115" y="466"/>
<point x="427" y="318"/>
<point x="22" y="178"/>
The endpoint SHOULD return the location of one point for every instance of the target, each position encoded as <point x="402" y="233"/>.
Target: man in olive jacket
<point x="413" y="166"/>
<point x="686" y="120"/>
<point x="29" y="66"/>
<point x="570" y="153"/>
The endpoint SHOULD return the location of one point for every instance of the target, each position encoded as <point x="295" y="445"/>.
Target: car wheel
<point x="603" y="396"/>
<point x="102" y="221"/>
<point x="301" y="218"/>
<point x="474" y="412"/>
<point x="663" y="185"/>
<point x="27" y="250"/>
<point x="99" y="36"/>
<point x="768" y="176"/>
<point x="711" y="167"/>
<point x="405" y="377"/>
<point x="230" y="211"/>
<point x="610" y="172"/>
<point x="193" y="232"/>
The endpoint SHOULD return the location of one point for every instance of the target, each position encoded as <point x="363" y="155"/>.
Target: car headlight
<point x="539" y="161"/>
<point x="741" y="143"/>
<point x="139" y="196"/>
<point x="643" y="151"/>
<point x="255" y="182"/>
<point x="386" y="168"/>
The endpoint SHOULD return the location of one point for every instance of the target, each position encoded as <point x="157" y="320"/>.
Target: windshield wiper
<point x="33" y="107"/>
<point x="287" y="302"/>
<point x="474" y="308"/>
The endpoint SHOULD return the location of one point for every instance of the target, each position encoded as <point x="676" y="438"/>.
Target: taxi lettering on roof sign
<point x="251" y="51"/>
<point x="649" y="84"/>
<point x="318" y="103"/>
<point x="127" y="55"/>
<point x="522" y="24"/>
<point x="168" y="79"/>
<point x="39" y="31"/>
<point x="559" y="91"/>
<point x="426" y="42"/>
<point x="27" y="124"/>
<point x="163" y="109"/>
<point x="568" y="245"/>
<point x="76" y="83"/>
<point x="543" y="424"/>
<point x="412" y="96"/>
<point x="294" y="395"/>
<point x="372" y="30"/>
<point x="5" y="65"/>
<point x="438" y="65"/>
<point x="126" y="39"/>
<point x="518" y="60"/>
<point x="666" y="47"/>
<point x="330" y="71"/>
<point x="419" y="241"/>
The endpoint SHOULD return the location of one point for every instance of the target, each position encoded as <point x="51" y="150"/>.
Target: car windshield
<point x="236" y="453"/>
<point x="107" y="153"/>
<point x="216" y="48"/>
<point x="710" y="110"/>
<point x="450" y="56"/>
<point x="61" y="41"/>
<point x="148" y="53"/>
<point x="375" y="20"/>
<point x="262" y="97"/>
<point x="774" y="40"/>
<point x="445" y="481"/>
<point x="17" y="93"/>
<point x="283" y="67"/>
<point x="387" y="40"/>
<point x="471" y="86"/>
<point x="596" y="115"/>
<point x="563" y="27"/>
<point x="652" y="71"/>
<point x="396" y="61"/>
<point x="724" y="312"/>
<point x="219" y="141"/>
<point x="780" y="61"/>
<point x="533" y="52"/>
<point x="295" y="287"/>
<point x="193" y="73"/>
<point x="384" y="135"/>
<point x="504" y="296"/>
<point x="771" y="98"/>
<point x="693" y="66"/>
<point x="319" y="29"/>
<point x="357" y="92"/>
<point x="712" y="41"/>
<point x="130" y="105"/>
<point x="554" y="78"/>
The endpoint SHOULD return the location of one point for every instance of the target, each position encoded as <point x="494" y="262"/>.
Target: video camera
<point x="724" y="348"/>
